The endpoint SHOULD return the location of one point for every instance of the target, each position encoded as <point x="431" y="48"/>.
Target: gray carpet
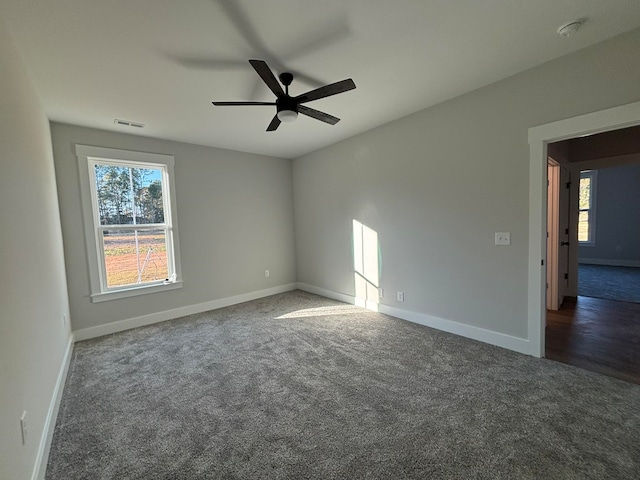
<point x="298" y="386"/>
<point x="611" y="283"/>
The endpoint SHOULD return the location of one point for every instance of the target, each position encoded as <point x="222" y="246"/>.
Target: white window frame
<point x="88" y="156"/>
<point x="593" y="175"/>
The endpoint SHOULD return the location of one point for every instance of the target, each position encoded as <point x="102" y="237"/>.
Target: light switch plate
<point x="503" y="238"/>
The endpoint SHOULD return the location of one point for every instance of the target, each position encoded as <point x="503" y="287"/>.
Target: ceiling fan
<point x="288" y="107"/>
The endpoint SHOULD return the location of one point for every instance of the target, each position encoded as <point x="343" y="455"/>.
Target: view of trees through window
<point x="128" y="196"/>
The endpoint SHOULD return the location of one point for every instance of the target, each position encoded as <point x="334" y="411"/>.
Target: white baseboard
<point x="509" y="342"/>
<point x="609" y="262"/>
<point x="341" y="297"/>
<point x="42" y="457"/>
<point x="517" y="344"/>
<point x="122" y="325"/>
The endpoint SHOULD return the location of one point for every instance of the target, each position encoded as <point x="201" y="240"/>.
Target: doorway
<point x="539" y="139"/>
<point x="592" y="333"/>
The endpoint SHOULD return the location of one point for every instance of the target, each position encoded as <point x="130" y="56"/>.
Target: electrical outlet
<point x="266" y="273"/>
<point x="503" y="238"/>
<point x="23" y="427"/>
<point x="400" y="296"/>
<point x="381" y="292"/>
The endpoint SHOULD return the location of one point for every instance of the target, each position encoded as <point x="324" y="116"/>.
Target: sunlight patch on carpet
<point x="321" y="311"/>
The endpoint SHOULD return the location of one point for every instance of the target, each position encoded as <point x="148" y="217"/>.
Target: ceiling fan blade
<point x="275" y="123"/>
<point x="308" y="79"/>
<point x="326" y="91"/>
<point x="318" y="115"/>
<point x="267" y="76"/>
<point x="228" y="104"/>
<point x="323" y="35"/>
<point x="206" y="63"/>
<point x="239" y="17"/>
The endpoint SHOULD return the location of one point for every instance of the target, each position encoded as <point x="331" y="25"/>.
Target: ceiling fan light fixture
<point x="287" y="115"/>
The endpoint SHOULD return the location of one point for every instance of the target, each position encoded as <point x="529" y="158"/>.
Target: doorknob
<point x="562" y="244"/>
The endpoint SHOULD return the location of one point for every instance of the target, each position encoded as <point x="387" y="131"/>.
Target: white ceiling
<point x="162" y="62"/>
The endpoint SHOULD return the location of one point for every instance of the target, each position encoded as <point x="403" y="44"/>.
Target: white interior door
<point x="553" y="239"/>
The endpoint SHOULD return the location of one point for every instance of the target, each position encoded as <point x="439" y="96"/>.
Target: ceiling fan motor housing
<point x="286" y="103"/>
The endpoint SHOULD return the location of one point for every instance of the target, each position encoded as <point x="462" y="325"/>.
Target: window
<point x="587" y="206"/>
<point x="130" y="226"/>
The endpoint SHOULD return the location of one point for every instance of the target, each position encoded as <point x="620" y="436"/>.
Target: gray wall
<point x="617" y="217"/>
<point x="235" y="220"/>
<point x="437" y="185"/>
<point x="33" y="288"/>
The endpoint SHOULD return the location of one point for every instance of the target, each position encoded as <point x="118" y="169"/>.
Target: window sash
<point x="168" y="244"/>
<point x="88" y="157"/>
<point x="93" y="161"/>
<point x="101" y="228"/>
<point x="129" y="226"/>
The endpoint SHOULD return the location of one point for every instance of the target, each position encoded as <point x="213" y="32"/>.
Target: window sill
<point x="134" y="292"/>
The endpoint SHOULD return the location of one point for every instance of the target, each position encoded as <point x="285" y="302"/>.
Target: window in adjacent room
<point x="587" y="204"/>
<point x="130" y="225"/>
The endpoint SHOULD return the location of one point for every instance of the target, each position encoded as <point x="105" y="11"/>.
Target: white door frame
<point x="596" y="122"/>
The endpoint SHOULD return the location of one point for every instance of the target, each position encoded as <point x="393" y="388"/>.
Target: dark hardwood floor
<point x="596" y="334"/>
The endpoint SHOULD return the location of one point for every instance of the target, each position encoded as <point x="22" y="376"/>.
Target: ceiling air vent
<point x="127" y="123"/>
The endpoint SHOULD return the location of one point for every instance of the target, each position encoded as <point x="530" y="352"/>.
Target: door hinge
<point x="542" y="262"/>
<point x="566" y="276"/>
<point x="566" y="231"/>
<point x="568" y="184"/>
